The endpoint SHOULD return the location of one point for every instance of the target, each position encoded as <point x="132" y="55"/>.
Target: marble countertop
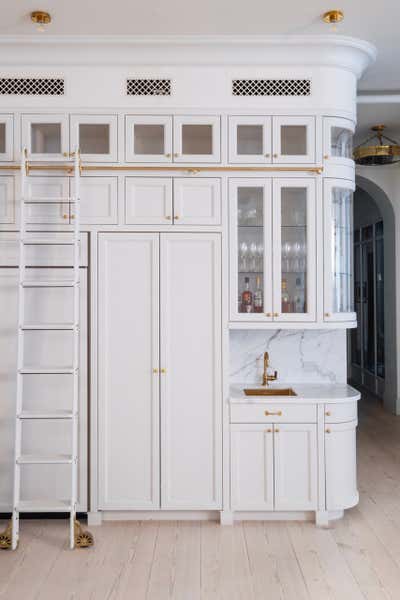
<point x="306" y="392"/>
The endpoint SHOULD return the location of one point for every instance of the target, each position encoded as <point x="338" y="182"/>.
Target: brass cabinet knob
<point x="276" y="430"/>
<point x="327" y="430"/>
<point x="327" y="314"/>
<point x="267" y="155"/>
<point x="268" y="413"/>
<point x="155" y="370"/>
<point x="268" y="431"/>
<point x="168" y="155"/>
<point x="275" y="155"/>
<point x="276" y="314"/>
<point x="65" y="216"/>
<point x="268" y="314"/>
<point x="326" y="156"/>
<point x="176" y="216"/>
<point x="163" y="370"/>
<point x="168" y="217"/>
<point x="328" y="413"/>
<point x="72" y="216"/>
<point x="176" y="154"/>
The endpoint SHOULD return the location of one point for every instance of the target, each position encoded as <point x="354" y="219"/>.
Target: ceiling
<point x="376" y="22"/>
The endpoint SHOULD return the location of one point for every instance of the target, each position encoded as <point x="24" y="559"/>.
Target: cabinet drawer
<point x="340" y="413"/>
<point x="273" y="413"/>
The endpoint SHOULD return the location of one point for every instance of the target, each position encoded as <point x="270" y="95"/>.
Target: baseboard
<point x="160" y="515"/>
<point x="273" y="515"/>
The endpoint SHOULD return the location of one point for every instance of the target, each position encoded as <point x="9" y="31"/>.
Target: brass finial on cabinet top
<point x="333" y="16"/>
<point x="40" y="18"/>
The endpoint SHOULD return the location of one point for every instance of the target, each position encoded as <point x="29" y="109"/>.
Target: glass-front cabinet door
<point x="293" y="140"/>
<point x="338" y="140"/>
<point x="250" y="139"/>
<point x="338" y="250"/>
<point x="46" y="137"/>
<point x="148" y="138"/>
<point x="6" y="138"/>
<point x="251" y="249"/>
<point x="197" y="139"/>
<point x="294" y="250"/>
<point x="95" y="136"/>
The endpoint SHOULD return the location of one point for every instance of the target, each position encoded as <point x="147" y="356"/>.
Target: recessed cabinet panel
<point x="45" y="136"/>
<point x="252" y="467"/>
<point x="197" y="139"/>
<point x="197" y="201"/>
<point x="338" y="141"/>
<point x="250" y="139"/>
<point x="148" y="201"/>
<point x="295" y="455"/>
<point x="341" y="466"/>
<point x="6" y="138"/>
<point x="49" y="203"/>
<point x="7" y="199"/>
<point x="128" y="342"/>
<point x="293" y="140"/>
<point x="148" y="139"/>
<point x="98" y="200"/>
<point x="338" y="250"/>
<point x="95" y="136"/>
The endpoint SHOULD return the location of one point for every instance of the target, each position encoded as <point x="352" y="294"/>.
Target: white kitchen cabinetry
<point x="96" y="136"/>
<point x="338" y="250"/>
<point x="338" y="141"/>
<point x="197" y="201"/>
<point x="6" y="138"/>
<point x="293" y="140"/>
<point x="148" y="138"/>
<point x="197" y="139"/>
<point x="46" y="137"/>
<point x="250" y="139"/>
<point x="7" y="199"/>
<point x="50" y="204"/>
<point x="98" y="200"/>
<point x="341" y="465"/>
<point x="151" y="344"/>
<point x="273" y="250"/>
<point x="148" y="200"/>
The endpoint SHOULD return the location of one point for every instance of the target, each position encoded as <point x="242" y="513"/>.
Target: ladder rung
<point x="44" y="506"/>
<point x="43" y="459"/>
<point x="44" y="199"/>
<point x="60" y="414"/>
<point x="50" y="326"/>
<point x="49" y="283"/>
<point x="48" y="242"/>
<point x="52" y="371"/>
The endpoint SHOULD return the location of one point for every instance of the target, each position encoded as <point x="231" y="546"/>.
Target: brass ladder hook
<point x="83" y="539"/>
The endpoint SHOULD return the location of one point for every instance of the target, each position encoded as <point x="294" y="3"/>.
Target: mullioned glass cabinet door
<point x="6" y="138"/>
<point x="250" y="139"/>
<point x="338" y="141"/>
<point x="293" y="140"/>
<point x="96" y="136"/>
<point x="148" y="138"/>
<point x="250" y="216"/>
<point x="46" y="137"/>
<point x="197" y="139"/>
<point x="338" y="250"/>
<point x="294" y="249"/>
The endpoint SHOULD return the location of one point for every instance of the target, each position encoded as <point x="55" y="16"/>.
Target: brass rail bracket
<point x="6" y="537"/>
<point x="83" y="539"/>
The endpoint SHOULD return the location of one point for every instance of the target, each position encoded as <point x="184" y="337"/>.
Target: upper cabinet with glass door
<point x="338" y="250"/>
<point x="293" y="140"/>
<point x="45" y="136"/>
<point x="162" y="139"/>
<point x="96" y="136"/>
<point x="250" y="139"/>
<point x="6" y="138"/>
<point x="338" y="141"/>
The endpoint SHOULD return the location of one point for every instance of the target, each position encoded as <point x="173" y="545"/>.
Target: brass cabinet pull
<point x="168" y="217"/>
<point x="176" y="155"/>
<point x="268" y="314"/>
<point x="267" y="413"/>
<point x="276" y="314"/>
<point x="155" y="370"/>
<point x="163" y="370"/>
<point x="326" y="156"/>
<point x="327" y="314"/>
<point x="72" y="216"/>
<point x="65" y="216"/>
<point x="275" y="156"/>
<point x="268" y="431"/>
<point x="276" y="430"/>
<point x="176" y="216"/>
<point x="267" y="155"/>
<point x="327" y="430"/>
<point x="328" y="413"/>
<point x="168" y="155"/>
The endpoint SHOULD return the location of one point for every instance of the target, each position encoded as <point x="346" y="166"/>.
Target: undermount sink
<point x="269" y="392"/>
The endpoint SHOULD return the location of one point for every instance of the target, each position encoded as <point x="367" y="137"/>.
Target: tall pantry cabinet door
<point x="128" y="345"/>
<point x="191" y="397"/>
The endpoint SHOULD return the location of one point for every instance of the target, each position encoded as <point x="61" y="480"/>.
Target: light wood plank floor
<point x="358" y="558"/>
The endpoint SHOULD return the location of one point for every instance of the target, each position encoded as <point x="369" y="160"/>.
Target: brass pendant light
<point x="378" y="154"/>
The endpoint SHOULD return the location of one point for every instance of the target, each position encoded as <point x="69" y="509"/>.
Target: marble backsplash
<point x="301" y="356"/>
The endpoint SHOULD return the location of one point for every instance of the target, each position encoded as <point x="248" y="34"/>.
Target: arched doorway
<point x="373" y="347"/>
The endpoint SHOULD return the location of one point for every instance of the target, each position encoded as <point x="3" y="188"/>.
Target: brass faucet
<point x="267" y="377"/>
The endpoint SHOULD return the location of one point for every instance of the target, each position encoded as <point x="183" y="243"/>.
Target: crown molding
<point x="217" y="50"/>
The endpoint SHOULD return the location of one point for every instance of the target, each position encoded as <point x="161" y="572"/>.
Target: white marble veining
<point x="303" y="356"/>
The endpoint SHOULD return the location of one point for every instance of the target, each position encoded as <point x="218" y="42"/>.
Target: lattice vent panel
<point x="148" y="87"/>
<point x="271" y="87"/>
<point x="31" y="86"/>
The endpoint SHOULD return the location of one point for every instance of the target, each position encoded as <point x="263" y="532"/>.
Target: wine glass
<point x="253" y="257"/>
<point x="260" y="256"/>
<point x="243" y="252"/>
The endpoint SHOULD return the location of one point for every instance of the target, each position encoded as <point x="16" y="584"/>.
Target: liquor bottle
<point x="258" y="296"/>
<point x="286" y="304"/>
<point x="247" y="297"/>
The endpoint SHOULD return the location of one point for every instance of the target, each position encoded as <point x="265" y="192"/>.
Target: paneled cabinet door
<point x="340" y="465"/>
<point x="148" y="138"/>
<point x="98" y="200"/>
<point x="46" y="137"/>
<point x="338" y="141"/>
<point x="250" y="139"/>
<point x="252" y="467"/>
<point x="250" y="217"/>
<point x="128" y="362"/>
<point x="50" y="201"/>
<point x="338" y="251"/>
<point x="293" y="140"/>
<point x="197" y="139"/>
<point x="190" y="351"/>
<point x="295" y="457"/>
<point x="148" y="201"/>
<point x="6" y="138"/>
<point x="7" y="199"/>
<point x="197" y="201"/>
<point x="294" y="250"/>
<point x="96" y="136"/>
